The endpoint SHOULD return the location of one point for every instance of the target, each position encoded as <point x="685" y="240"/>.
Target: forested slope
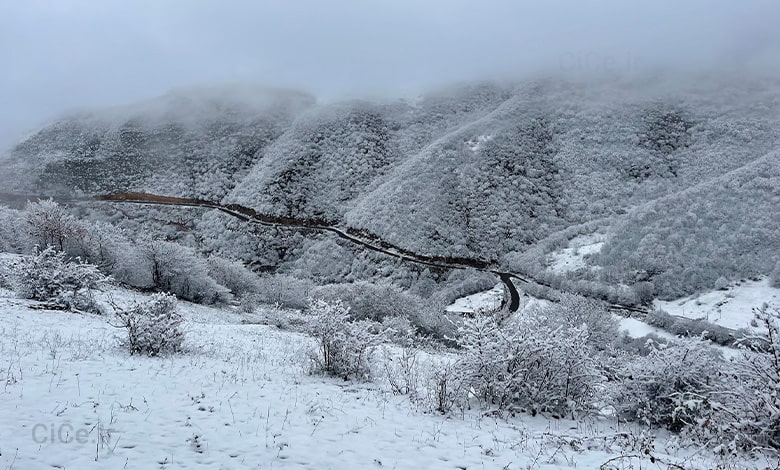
<point x="479" y="170"/>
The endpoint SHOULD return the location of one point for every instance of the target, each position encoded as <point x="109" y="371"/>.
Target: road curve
<point x="361" y="238"/>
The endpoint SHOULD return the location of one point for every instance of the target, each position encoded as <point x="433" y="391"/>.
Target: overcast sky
<point x="58" y="55"/>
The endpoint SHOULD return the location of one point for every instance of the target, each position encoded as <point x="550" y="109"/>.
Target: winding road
<point x="365" y="239"/>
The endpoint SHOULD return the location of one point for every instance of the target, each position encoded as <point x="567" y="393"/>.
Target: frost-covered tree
<point x="50" y="224"/>
<point x="479" y="171"/>
<point x="233" y="275"/>
<point x="14" y="237"/>
<point x="685" y="242"/>
<point x="322" y="163"/>
<point x="284" y="291"/>
<point x="722" y="283"/>
<point x="104" y="246"/>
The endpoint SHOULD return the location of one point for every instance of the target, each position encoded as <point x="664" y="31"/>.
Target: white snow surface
<point x="485" y="301"/>
<point x="572" y="257"/>
<point x="637" y="328"/>
<point x="732" y="308"/>
<point x="241" y="398"/>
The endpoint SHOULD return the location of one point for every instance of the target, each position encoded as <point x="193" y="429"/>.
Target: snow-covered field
<point x="732" y="308"/>
<point x="572" y="257"/>
<point x="486" y="301"/>
<point x="637" y="328"/>
<point x="241" y="397"/>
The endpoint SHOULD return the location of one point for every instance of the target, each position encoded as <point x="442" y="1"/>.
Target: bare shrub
<point x="402" y="371"/>
<point x="446" y="387"/>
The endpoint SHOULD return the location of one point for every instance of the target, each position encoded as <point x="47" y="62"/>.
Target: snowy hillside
<point x="680" y="177"/>
<point x="732" y="306"/>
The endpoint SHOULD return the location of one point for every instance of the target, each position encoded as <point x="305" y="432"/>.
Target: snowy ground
<point x="732" y="308"/>
<point x="637" y="328"/>
<point x="572" y="257"/>
<point x="242" y="398"/>
<point x="486" y="301"/>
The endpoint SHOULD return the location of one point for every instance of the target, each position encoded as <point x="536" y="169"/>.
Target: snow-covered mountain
<point x="683" y="179"/>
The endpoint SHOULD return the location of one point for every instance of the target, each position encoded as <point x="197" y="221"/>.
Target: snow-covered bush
<point x="749" y="414"/>
<point x="436" y="323"/>
<point x="644" y="292"/>
<point x="693" y="327"/>
<point x="5" y="276"/>
<point x="179" y="270"/>
<point x="687" y="387"/>
<point x="153" y="327"/>
<point x="284" y="291"/>
<point x="344" y="347"/>
<point x="722" y="283"/>
<point x="529" y="364"/>
<point x="573" y="311"/>
<point x="367" y="301"/>
<point x="639" y="346"/>
<point x="105" y="246"/>
<point x="399" y="330"/>
<point x="48" y="276"/>
<point x="774" y="278"/>
<point x="233" y="275"/>
<point x="673" y="386"/>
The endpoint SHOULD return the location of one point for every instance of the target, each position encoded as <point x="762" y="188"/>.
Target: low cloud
<point x="62" y="55"/>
